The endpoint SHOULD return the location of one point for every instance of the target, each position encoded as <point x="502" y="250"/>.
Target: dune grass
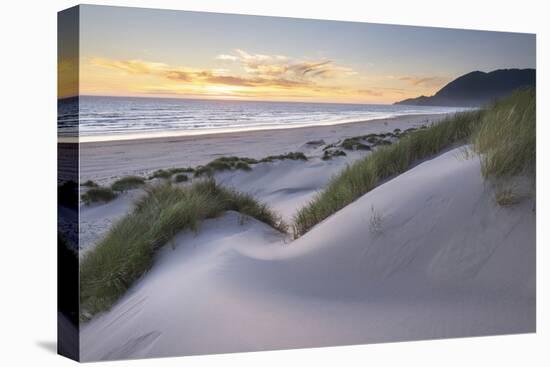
<point x="507" y="197"/>
<point x="242" y="163"/>
<point x="90" y="183"/>
<point x="127" y="183"/>
<point x="506" y="143"/>
<point x="168" y="173"/>
<point x="355" y="143"/>
<point x="225" y="164"/>
<point x="228" y="163"/>
<point x="127" y="251"/>
<point x="369" y="141"/>
<point x="296" y="156"/>
<point x="387" y="161"/>
<point x="103" y="194"/>
<point x="329" y="154"/>
<point x="98" y="195"/>
<point x="506" y="138"/>
<point x="161" y="173"/>
<point x="181" y="170"/>
<point x="181" y="177"/>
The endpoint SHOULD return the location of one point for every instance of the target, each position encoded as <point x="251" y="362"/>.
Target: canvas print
<point x="236" y="183"/>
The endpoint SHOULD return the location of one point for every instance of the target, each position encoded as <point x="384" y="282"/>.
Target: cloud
<point x="230" y="80"/>
<point x="284" y="68"/>
<point x="248" y="75"/>
<point x="194" y="76"/>
<point x="370" y="92"/>
<point x="430" y="81"/>
<point x="129" y="66"/>
<point x="227" y="57"/>
<point x="258" y="70"/>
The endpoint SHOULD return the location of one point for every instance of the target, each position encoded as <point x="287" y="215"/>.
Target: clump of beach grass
<point x="181" y="170"/>
<point x="382" y="142"/>
<point x="288" y="156"/>
<point x="181" y="177"/>
<point x="506" y="143"/>
<point x="242" y="166"/>
<point x="387" y="161"/>
<point x="168" y="173"/>
<point x="127" y="183"/>
<point x="225" y="164"/>
<point x="355" y="143"/>
<point x="507" y="197"/>
<point x="98" y="194"/>
<point x="241" y="163"/>
<point x="161" y="173"/>
<point x="235" y="160"/>
<point x="506" y="137"/>
<point x="90" y="183"/>
<point x="127" y="250"/>
<point x="367" y="142"/>
<point x="329" y="154"/>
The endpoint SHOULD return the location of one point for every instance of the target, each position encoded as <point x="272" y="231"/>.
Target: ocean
<point x="111" y="118"/>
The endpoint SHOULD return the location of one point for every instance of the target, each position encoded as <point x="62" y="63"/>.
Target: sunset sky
<point x="161" y="53"/>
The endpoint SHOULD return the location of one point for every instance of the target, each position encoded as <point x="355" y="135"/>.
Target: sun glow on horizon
<point x="248" y="76"/>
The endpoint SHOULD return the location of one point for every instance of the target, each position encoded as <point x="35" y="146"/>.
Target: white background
<point x="28" y="181"/>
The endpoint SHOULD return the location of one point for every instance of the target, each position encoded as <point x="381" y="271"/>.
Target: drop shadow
<point x="48" y="345"/>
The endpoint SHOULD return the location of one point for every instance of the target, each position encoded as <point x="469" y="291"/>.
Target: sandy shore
<point x="103" y="161"/>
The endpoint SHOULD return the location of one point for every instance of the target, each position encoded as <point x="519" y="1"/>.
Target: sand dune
<point x="426" y="255"/>
<point x="284" y="185"/>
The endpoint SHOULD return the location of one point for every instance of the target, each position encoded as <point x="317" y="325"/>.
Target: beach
<point x="104" y="161"/>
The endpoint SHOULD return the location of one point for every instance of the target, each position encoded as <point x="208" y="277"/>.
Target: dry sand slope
<point x="426" y="255"/>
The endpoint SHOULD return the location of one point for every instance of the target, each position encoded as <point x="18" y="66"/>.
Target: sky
<point x="165" y="53"/>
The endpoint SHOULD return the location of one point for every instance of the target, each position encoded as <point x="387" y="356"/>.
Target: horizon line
<point x="223" y="99"/>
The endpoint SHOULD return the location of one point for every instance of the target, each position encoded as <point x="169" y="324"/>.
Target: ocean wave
<point x="96" y="116"/>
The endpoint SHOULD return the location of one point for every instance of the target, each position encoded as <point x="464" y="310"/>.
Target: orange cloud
<point x="245" y="75"/>
<point x="260" y="70"/>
